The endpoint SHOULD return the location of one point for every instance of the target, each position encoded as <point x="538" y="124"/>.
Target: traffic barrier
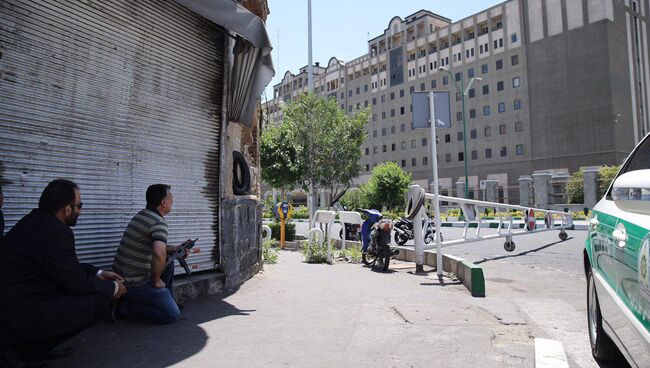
<point x="266" y="232"/>
<point x="348" y="217"/>
<point x="323" y="218"/>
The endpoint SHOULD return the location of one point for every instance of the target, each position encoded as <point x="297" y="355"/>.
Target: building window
<point x="457" y="77"/>
<point x="515" y="82"/>
<point x="375" y="149"/>
<point x="471" y="93"/>
<point x="447" y="138"/>
<point x="365" y="88"/>
<point x="392" y="129"/>
<point x="461" y="157"/>
<point x="460" y="136"/>
<point x="383" y="114"/>
<point x="513" y="37"/>
<point x="412" y="143"/>
<point x="392" y="96"/>
<point x="472" y="113"/>
<point x="502" y="129"/>
<point x="365" y="103"/>
<point x="374" y="133"/>
<point x="350" y="108"/>
<point x="514" y="60"/>
<point x="411" y="89"/>
<point x="367" y="151"/>
<point x="486" y="110"/>
<point x="421" y="87"/>
<point x="488" y="131"/>
<point x="401" y="110"/>
<point x="401" y="93"/>
<point x="383" y="148"/>
<point x="392" y="112"/>
<point x="434" y="83"/>
<point x="448" y="157"/>
<point x="500" y="86"/>
<point x="502" y="107"/>
<point x="504" y="151"/>
<point x="472" y="134"/>
<point x="445" y="80"/>
<point x="358" y="105"/>
<point x="484" y="68"/>
<point x="425" y="161"/>
<point x="520" y="149"/>
<point x="517" y="104"/>
<point x="367" y="167"/>
<point x="518" y="127"/>
<point x="499" y="65"/>
<point x="374" y="117"/>
<point x="383" y="132"/>
<point x="392" y="146"/>
<point x="403" y="145"/>
<point x="486" y="89"/>
<point x="402" y="128"/>
<point x="470" y="73"/>
<point x="414" y="162"/>
<point x="383" y="98"/>
<point x="403" y="163"/>
<point x="488" y="153"/>
<point x="424" y="142"/>
<point x="474" y="155"/>
<point x="459" y="116"/>
<point x="350" y="93"/>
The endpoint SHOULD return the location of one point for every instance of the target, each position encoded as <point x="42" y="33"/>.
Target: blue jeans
<point x="156" y="304"/>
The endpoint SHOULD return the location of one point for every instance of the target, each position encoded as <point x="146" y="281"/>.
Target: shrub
<point x="575" y="187"/>
<point x="314" y="252"/>
<point x="453" y="212"/>
<point x="354" y="198"/>
<point x="351" y="254"/>
<point x="301" y="212"/>
<point x="605" y="176"/>
<point x="289" y="231"/>
<point x="269" y="253"/>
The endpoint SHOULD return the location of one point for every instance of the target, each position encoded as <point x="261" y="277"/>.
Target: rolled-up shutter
<point x="116" y="96"/>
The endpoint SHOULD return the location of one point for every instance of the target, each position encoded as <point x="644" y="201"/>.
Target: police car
<point x="617" y="264"/>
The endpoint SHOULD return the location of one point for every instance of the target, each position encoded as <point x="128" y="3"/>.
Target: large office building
<point x="564" y="85"/>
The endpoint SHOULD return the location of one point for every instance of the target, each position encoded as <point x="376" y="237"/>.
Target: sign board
<point x="284" y="210"/>
<point x="481" y="184"/>
<point x="441" y="105"/>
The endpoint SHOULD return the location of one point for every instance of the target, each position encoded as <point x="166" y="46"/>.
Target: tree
<point x="354" y="198"/>
<point x="327" y="141"/>
<point x="387" y="186"/>
<point x="279" y="158"/>
<point x="605" y="176"/>
<point x="575" y="187"/>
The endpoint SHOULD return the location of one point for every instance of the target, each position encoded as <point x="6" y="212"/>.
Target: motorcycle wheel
<point x="368" y="259"/>
<point x="400" y="239"/>
<point x="429" y="238"/>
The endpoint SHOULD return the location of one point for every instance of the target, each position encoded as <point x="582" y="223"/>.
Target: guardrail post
<point x="419" y="240"/>
<point x="524" y="190"/>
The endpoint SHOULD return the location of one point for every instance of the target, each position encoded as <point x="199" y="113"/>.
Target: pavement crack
<point x="396" y="311"/>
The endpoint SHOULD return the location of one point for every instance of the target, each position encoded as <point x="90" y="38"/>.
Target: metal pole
<point x="310" y="67"/>
<point x="436" y="203"/>
<point x="462" y="98"/>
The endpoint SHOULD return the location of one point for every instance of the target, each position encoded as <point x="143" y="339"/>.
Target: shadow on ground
<point x="137" y="343"/>
<point x="520" y="253"/>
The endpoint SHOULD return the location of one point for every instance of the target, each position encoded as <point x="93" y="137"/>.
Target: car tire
<point x="602" y="346"/>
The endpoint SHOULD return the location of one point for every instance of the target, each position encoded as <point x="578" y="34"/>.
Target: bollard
<point x="266" y="232"/>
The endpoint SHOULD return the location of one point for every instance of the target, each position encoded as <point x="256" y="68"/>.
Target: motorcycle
<point x="375" y="234"/>
<point x="404" y="231"/>
<point x="352" y="231"/>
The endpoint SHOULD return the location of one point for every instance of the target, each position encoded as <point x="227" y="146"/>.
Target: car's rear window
<point x="641" y="158"/>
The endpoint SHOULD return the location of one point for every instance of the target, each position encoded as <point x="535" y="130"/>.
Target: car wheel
<point x="602" y="347"/>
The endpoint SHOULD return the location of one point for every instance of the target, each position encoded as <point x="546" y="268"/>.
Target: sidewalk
<point x="295" y="314"/>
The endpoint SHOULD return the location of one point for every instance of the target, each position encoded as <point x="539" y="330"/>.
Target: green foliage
<point x="269" y="253"/>
<point x="453" y="212"/>
<point x="313" y="252"/>
<point x="279" y="157"/>
<point x="327" y="141"/>
<point x="354" y="198"/>
<point x="351" y="254"/>
<point x="289" y="230"/>
<point x="387" y="186"/>
<point x="605" y="176"/>
<point x="575" y="187"/>
<point x="301" y="212"/>
<point x="391" y="215"/>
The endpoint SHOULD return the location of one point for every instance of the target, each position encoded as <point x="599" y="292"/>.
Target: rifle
<point x="181" y="253"/>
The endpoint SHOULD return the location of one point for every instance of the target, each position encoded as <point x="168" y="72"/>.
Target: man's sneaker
<point x="116" y="316"/>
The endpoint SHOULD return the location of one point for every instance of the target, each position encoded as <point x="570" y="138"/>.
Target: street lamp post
<point x="463" y="90"/>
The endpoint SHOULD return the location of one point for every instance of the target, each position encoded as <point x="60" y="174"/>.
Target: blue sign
<point x="285" y="208"/>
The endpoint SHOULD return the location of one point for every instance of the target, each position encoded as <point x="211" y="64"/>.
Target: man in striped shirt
<point x="141" y="259"/>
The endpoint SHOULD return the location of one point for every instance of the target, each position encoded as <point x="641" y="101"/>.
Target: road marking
<point x="549" y="354"/>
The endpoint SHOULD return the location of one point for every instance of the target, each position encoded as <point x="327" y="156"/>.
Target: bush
<point x="269" y="253"/>
<point x="453" y="212"/>
<point x="351" y="254"/>
<point x="313" y="252"/>
<point x="605" y="176"/>
<point x="575" y="187"/>
<point x="354" y="198"/>
<point x="289" y="231"/>
<point x="387" y="186"/>
<point x="391" y="215"/>
<point x="301" y="212"/>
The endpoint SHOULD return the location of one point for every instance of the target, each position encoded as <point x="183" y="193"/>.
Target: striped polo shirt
<point x="133" y="257"/>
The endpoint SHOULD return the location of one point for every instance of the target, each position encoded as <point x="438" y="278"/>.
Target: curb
<point x="467" y="272"/>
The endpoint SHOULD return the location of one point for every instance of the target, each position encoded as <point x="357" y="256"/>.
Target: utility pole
<point x="310" y="89"/>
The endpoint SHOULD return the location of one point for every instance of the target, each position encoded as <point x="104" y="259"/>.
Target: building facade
<point x="564" y="85"/>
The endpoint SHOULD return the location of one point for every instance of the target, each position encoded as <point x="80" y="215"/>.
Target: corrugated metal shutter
<point x="116" y="96"/>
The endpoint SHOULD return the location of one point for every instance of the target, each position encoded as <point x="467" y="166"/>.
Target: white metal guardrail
<point x="472" y="210"/>
<point x="316" y="234"/>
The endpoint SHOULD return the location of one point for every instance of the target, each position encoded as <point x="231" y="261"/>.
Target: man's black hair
<point x="156" y="193"/>
<point x="58" y="194"/>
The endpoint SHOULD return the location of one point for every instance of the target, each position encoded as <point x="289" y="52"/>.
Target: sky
<point x="343" y="28"/>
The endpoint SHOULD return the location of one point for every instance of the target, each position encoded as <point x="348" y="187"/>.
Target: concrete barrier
<point x="468" y="273"/>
